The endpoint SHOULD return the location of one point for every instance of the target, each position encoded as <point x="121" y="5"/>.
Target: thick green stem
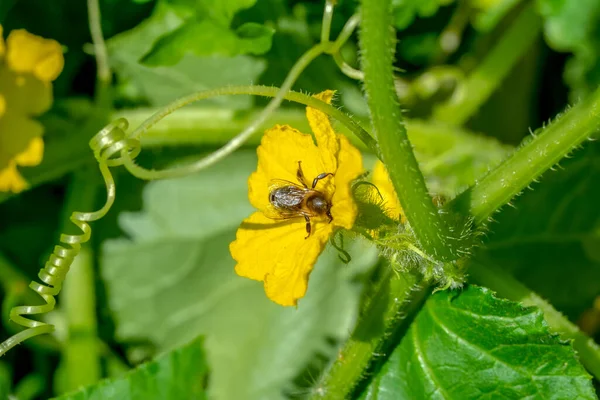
<point x="488" y="75"/>
<point x="392" y="300"/>
<point x="377" y="44"/>
<point x="508" y="287"/>
<point x="530" y="161"/>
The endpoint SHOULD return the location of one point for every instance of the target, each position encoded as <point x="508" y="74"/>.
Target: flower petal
<point x="277" y="253"/>
<point x="11" y="180"/>
<point x="33" y="154"/>
<point x="2" y="99"/>
<point x="278" y="154"/>
<point x="381" y="179"/>
<point x="350" y="166"/>
<point x="28" y="53"/>
<point x="324" y="133"/>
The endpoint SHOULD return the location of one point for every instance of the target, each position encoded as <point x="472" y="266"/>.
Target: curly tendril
<point x="109" y="146"/>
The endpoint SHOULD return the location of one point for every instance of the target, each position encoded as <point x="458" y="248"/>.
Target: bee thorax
<point x="318" y="204"/>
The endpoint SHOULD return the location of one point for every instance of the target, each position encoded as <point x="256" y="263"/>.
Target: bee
<point x="291" y="200"/>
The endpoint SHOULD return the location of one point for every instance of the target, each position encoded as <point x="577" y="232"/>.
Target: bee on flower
<point x="28" y="66"/>
<point x="302" y="192"/>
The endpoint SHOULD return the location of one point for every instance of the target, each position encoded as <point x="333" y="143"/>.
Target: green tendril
<point x="106" y="145"/>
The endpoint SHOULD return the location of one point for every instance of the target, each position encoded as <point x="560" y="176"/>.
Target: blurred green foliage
<point x="174" y="321"/>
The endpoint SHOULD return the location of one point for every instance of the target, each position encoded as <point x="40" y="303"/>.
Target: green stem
<point x="80" y="351"/>
<point x="488" y="76"/>
<point x="393" y="299"/>
<point x="530" y="161"/>
<point x="508" y="287"/>
<point x="238" y="140"/>
<point x="377" y="44"/>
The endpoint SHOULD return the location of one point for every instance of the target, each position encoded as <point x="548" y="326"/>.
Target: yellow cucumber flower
<point x="28" y="65"/>
<point x="382" y="180"/>
<point x="280" y="243"/>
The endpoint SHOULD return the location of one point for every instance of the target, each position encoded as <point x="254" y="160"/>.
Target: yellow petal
<point x="277" y="253"/>
<point x="2" y="45"/>
<point x="278" y="154"/>
<point x="2" y="104"/>
<point x="33" y="154"/>
<point x="381" y="179"/>
<point x="350" y="166"/>
<point x="28" y="53"/>
<point x="11" y="180"/>
<point x="324" y="133"/>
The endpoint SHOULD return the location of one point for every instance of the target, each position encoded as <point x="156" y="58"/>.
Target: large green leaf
<point x="574" y="26"/>
<point x="549" y="239"/>
<point x="162" y="84"/>
<point x="180" y="374"/>
<point x="174" y="279"/>
<point x="471" y="345"/>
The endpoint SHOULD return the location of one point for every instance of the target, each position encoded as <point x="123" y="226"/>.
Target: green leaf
<point x="180" y="374"/>
<point x="177" y="269"/>
<point x="405" y="11"/>
<point x="207" y="31"/>
<point x="549" y="239"/>
<point x="573" y="26"/>
<point x="471" y="345"/>
<point x="160" y="85"/>
<point x="199" y="38"/>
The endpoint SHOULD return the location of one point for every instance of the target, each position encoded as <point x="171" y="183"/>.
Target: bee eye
<point x="271" y="197"/>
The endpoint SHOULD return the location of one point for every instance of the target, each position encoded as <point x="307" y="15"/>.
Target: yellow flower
<point x="28" y="65"/>
<point x="381" y="179"/>
<point x="278" y="251"/>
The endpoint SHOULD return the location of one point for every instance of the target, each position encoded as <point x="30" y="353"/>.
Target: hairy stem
<point x="488" y="75"/>
<point x="392" y="299"/>
<point x="508" y="287"/>
<point x="538" y="153"/>
<point x="377" y="44"/>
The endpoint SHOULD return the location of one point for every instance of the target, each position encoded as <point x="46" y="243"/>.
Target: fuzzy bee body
<point x="290" y="200"/>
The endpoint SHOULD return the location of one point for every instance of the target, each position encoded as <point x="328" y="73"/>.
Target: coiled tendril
<point x="109" y="146"/>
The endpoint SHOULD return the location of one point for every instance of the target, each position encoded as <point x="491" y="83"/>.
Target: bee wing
<point x="279" y="183"/>
<point x="272" y="212"/>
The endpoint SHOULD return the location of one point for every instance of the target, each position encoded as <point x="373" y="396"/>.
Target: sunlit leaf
<point x="472" y="345"/>
<point x="161" y="84"/>
<point x="180" y="374"/>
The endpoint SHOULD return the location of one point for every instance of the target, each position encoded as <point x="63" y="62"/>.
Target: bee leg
<point x="300" y="175"/>
<point x="307" y="226"/>
<point x="319" y="177"/>
<point x="328" y="213"/>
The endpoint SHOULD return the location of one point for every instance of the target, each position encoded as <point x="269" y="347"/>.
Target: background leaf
<point x="160" y="85"/>
<point x="574" y="26"/>
<point x="177" y="268"/>
<point x="180" y="374"/>
<point x="470" y="345"/>
<point x="548" y="239"/>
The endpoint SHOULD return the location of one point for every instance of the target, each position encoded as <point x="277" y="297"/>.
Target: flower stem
<point x="488" y="75"/>
<point x="377" y="44"/>
<point x="508" y="287"/>
<point x="539" y="153"/>
<point x="238" y="140"/>
<point x="393" y="298"/>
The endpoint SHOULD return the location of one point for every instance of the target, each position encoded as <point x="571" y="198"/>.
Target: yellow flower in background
<point x="28" y="65"/>
<point x="274" y="244"/>
<point x="382" y="180"/>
